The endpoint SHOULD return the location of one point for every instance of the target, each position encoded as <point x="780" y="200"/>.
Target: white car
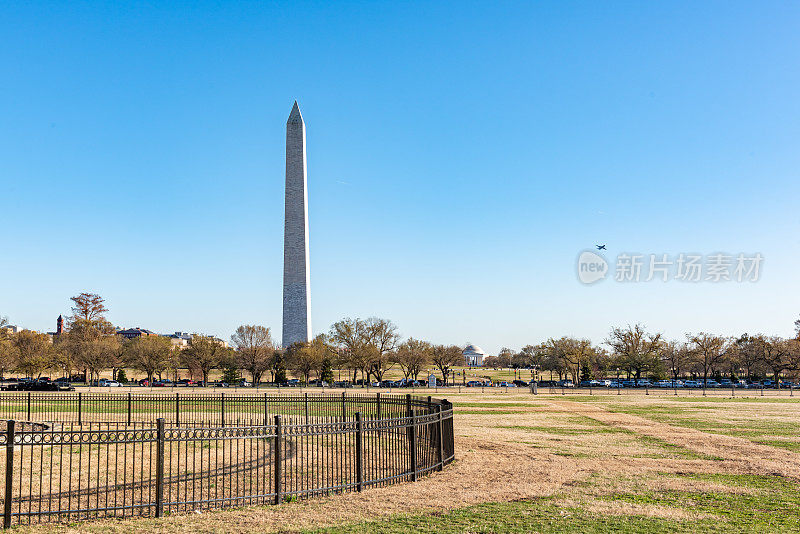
<point x="109" y="383"/>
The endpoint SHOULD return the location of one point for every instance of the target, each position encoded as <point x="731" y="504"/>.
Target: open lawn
<point x="527" y="463"/>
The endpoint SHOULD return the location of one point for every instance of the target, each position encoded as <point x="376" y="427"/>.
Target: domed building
<point x="474" y="355"/>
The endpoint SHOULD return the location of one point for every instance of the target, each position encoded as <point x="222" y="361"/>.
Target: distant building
<point x="474" y="355"/>
<point x="10" y="329"/>
<point x="59" y="329"/>
<point x="180" y="340"/>
<point x="133" y="333"/>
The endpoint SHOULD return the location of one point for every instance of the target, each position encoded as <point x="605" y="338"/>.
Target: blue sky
<point x="460" y="156"/>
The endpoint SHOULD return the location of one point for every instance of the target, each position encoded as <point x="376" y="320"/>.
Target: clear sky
<point x="460" y="156"/>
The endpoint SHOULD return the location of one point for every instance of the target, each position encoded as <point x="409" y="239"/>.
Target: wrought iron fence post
<point x="177" y="409"/>
<point x="266" y="410"/>
<point x="80" y="408"/>
<point x="306" y="405"/>
<point x="159" y="467"/>
<point x="10" y="430"/>
<point x="130" y="403"/>
<point x="29" y="406"/>
<point x="344" y="406"/>
<point x="378" y="402"/>
<point x="439" y="439"/>
<point x="222" y="400"/>
<point x="412" y="437"/>
<point x="278" y="473"/>
<point x="359" y="452"/>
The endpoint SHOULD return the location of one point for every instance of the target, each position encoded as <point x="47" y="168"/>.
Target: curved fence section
<point x="64" y="464"/>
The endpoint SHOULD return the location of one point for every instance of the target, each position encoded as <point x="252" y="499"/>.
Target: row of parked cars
<point x="646" y="383"/>
<point x="40" y="384"/>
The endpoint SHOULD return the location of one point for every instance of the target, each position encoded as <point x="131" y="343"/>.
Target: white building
<point x="474" y="355"/>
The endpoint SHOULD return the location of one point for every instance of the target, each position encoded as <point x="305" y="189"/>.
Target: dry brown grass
<point x="578" y="451"/>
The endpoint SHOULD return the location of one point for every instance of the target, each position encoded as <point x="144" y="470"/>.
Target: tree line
<point x="89" y="345"/>
<point x="635" y="353"/>
<point x="368" y="348"/>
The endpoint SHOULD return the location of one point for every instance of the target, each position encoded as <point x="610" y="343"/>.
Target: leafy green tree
<point x="326" y="371"/>
<point x="7" y="351"/>
<point x="278" y="367"/>
<point x="586" y="372"/>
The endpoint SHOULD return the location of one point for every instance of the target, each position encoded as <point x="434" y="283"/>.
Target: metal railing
<point x="70" y="461"/>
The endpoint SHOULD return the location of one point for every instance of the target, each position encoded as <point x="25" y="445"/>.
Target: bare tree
<point x="675" y="357"/>
<point x="203" y="355"/>
<point x="445" y="357"/>
<point x="99" y="354"/>
<point x="381" y="340"/>
<point x="413" y="355"/>
<point x="348" y="337"/>
<point x="750" y="354"/>
<point x="88" y="313"/>
<point x="776" y="355"/>
<point x="149" y="354"/>
<point x="635" y="349"/>
<point x="708" y="351"/>
<point x="254" y="349"/>
<point x="300" y="358"/>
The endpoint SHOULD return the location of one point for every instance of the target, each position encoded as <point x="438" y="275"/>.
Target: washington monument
<point x="296" y="274"/>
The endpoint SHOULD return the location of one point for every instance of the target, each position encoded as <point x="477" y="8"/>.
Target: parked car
<point x="109" y="383"/>
<point x="507" y="385"/>
<point x="521" y="383"/>
<point x="474" y="384"/>
<point x="35" y="385"/>
<point x="144" y="382"/>
<point x="565" y="384"/>
<point x="643" y="382"/>
<point x="321" y="383"/>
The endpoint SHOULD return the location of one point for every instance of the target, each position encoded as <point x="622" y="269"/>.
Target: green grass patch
<point x="565" y="431"/>
<point x="495" y="404"/>
<point x="773" y="505"/>
<point x="516" y="517"/>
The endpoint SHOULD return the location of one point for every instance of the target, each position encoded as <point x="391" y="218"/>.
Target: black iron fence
<point x="70" y="457"/>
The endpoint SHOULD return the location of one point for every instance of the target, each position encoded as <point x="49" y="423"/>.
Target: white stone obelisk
<point x="296" y="274"/>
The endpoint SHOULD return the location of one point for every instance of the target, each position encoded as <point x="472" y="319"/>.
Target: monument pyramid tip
<point x="295" y="111"/>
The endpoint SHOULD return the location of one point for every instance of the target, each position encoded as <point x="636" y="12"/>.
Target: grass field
<point x="627" y="463"/>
